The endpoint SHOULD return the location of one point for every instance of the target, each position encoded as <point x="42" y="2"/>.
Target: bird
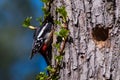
<point x="42" y="41"/>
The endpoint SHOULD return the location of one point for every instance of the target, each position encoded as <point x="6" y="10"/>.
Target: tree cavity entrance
<point x="100" y="33"/>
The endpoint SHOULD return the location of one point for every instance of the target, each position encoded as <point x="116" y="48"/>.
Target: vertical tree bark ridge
<point x="83" y="59"/>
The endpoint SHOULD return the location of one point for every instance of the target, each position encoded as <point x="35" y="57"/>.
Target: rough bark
<point x="86" y="58"/>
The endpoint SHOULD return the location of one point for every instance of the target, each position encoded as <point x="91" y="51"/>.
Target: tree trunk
<point x="94" y="27"/>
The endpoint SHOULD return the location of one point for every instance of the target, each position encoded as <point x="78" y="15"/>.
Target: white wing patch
<point x="41" y="31"/>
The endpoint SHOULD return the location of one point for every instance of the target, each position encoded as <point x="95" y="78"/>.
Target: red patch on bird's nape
<point x="44" y="48"/>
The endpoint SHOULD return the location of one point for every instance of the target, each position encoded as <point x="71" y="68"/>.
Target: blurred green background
<point x="16" y="41"/>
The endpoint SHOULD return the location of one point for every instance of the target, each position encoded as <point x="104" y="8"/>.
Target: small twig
<point x="63" y="46"/>
<point x="32" y="27"/>
<point x="64" y="41"/>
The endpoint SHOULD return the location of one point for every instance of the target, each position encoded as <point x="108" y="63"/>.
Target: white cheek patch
<point x="40" y="33"/>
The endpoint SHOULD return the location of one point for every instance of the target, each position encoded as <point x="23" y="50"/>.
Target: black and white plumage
<point x="42" y="41"/>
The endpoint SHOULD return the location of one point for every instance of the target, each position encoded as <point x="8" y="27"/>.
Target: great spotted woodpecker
<point x="42" y="41"/>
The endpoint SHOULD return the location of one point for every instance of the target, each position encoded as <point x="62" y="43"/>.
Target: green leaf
<point x="26" y="22"/>
<point x="46" y="13"/>
<point x="62" y="12"/>
<point x="57" y="22"/>
<point x="64" y="33"/>
<point x="57" y="33"/>
<point x="44" y="10"/>
<point x="50" y="69"/>
<point x="40" y="19"/>
<point x="59" y="58"/>
<point x="41" y="76"/>
<point x="57" y="45"/>
<point x="45" y="1"/>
